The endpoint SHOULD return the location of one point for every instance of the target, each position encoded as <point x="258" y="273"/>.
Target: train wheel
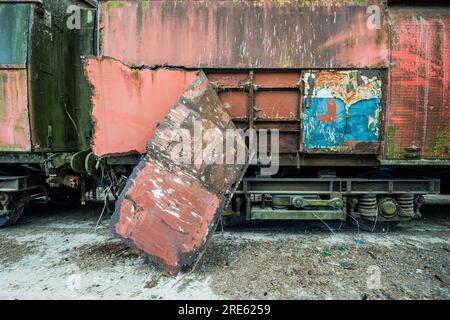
<point x="17" y="207"/>
<point x="374" y="226"/>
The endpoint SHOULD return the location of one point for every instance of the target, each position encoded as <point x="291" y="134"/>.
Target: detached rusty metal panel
<point x="342" y="111"/>
<point x="14" y="123"/>
<point x="128" y="104"/>
<point x="170" y="209"/>
<point x="419" y="115"/>
<point x="244" y="34"/>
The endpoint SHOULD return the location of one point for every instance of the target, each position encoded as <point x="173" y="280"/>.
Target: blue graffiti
<point x="358" y="126"/>
<point x="327" y="127"/>
<point x="319" y="134"/>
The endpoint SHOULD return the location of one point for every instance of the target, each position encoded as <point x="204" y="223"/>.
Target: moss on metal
<point x="59" y="94"/>
<point x="439" y="142"/>
<point x="391" y="149"/>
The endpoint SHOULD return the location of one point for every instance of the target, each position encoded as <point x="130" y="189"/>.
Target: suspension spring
<point x="367" y="205"/>
<point x="406" y="204"/>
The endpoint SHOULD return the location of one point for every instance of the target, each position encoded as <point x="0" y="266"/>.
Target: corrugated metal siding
<point x="243" y="34"/>
<point x="419" y="115"/>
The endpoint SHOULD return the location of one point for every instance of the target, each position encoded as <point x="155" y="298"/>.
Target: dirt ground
<point x="58" y="253"/>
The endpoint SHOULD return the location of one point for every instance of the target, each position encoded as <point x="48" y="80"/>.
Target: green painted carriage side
<point x="59" y="95"/>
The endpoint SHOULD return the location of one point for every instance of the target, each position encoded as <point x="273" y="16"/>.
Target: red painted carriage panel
<point x="244" y="34"/>
<point x="14" y="123"/>
<point x="277" y="79"/>
<point x="128" y="104"/>
<point x="236" y="103"/>
<point x="419" y="113"/>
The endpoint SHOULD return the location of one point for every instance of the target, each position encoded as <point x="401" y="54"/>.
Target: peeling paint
<point x="14" y="124"/>
<point x="13" y="33"/>
<point x="342" y="111"/>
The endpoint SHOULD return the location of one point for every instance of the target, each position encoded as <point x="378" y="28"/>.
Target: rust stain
<point x="14" y="123"/>
<point x="276" y="104"/>
<point x="169" y="209"/>
<point x="244" y="34"/>
<point x="128" y="104"/>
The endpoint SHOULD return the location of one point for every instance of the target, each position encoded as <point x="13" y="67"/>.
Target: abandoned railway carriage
<point x="44" y="100"/>
<point x="358" y="91"/>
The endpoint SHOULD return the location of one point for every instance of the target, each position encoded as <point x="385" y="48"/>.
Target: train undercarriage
<point x="375" y="199"/>
<point x="372" y="204"/>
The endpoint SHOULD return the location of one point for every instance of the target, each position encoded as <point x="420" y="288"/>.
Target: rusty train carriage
<point x="362" y="109"/>
<point x="239" y="43"/>
<point x="316" y="72"/>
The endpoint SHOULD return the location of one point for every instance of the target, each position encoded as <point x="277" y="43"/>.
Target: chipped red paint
<point x="166" y="213"/>
<point x="419" y="113"/>
<point x="243" y="34"/>
<point x="331" y="114"/>
<point x="14" y="123"/>
<point x="170" y="210"/>
<point x="128" y="104"/>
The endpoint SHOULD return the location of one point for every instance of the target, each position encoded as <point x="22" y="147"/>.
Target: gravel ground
<point x="58" y="253"/>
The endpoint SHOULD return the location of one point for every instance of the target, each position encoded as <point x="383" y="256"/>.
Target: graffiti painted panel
<point x="14" y="124"/>
<point x="170" y="209"/>
<point x="419" y="114"/>
<point x="245" y="34"/>
<point x="342" y="111"/>
<point x="128" y="104"/>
